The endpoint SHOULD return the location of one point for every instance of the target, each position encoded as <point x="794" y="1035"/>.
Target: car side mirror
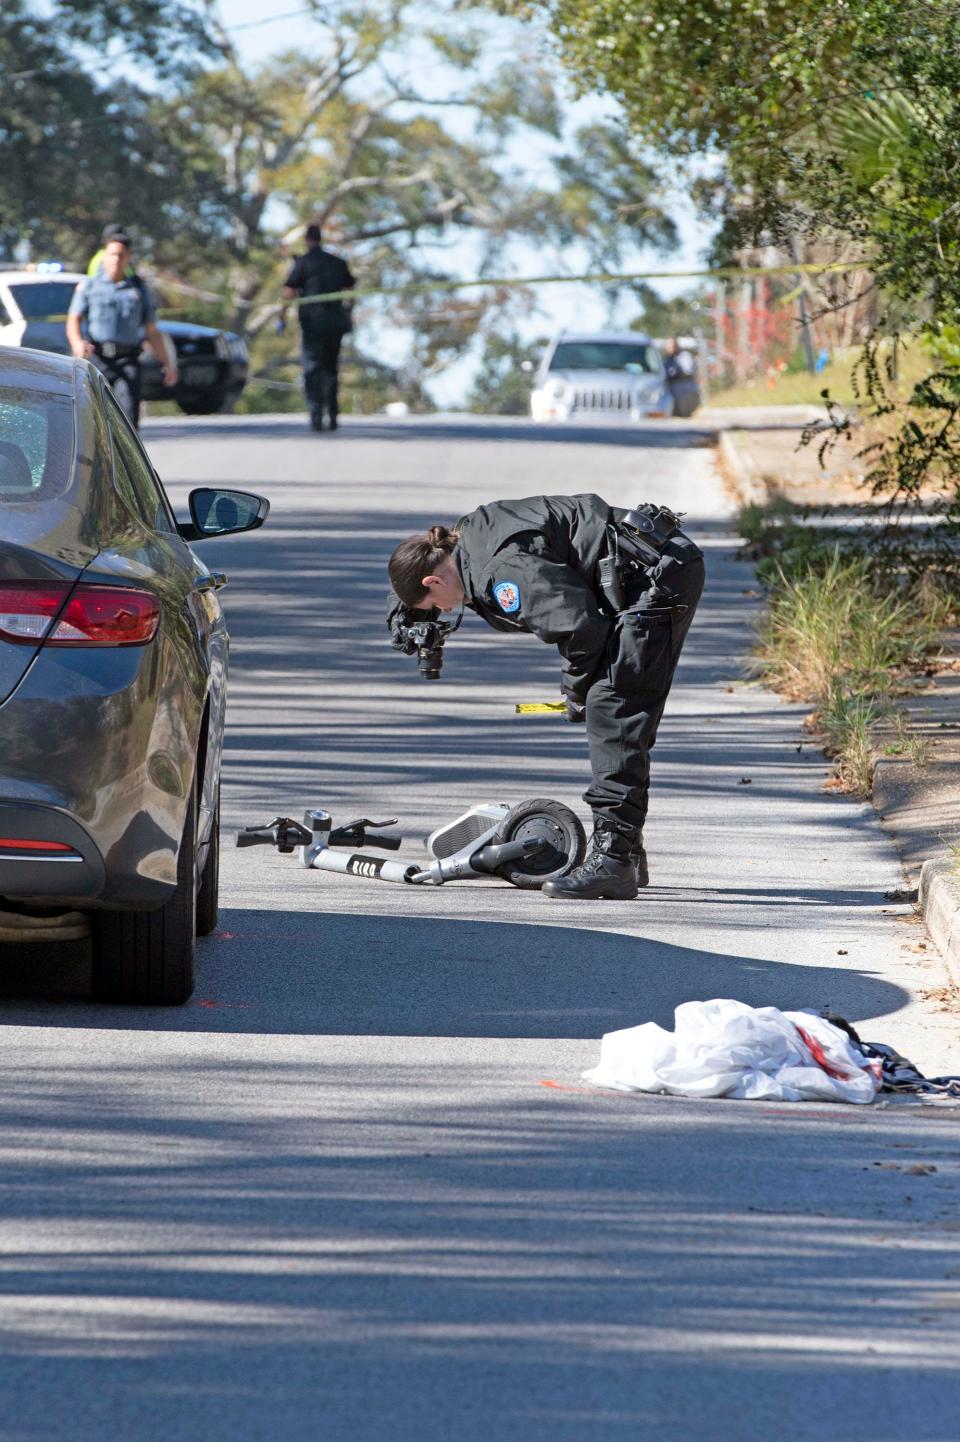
<point x="526" y="366"/>
<point x="223" y="513"/>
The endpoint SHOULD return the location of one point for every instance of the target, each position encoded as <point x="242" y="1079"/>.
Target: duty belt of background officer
<point x="112" y="350"/>
<point x="634" y="544"/>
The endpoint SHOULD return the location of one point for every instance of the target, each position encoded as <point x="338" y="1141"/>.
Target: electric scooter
<point x="526" y="845"/>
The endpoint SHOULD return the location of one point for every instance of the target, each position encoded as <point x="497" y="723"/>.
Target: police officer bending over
<point x="615" y="591"/>
<point x="118" y="312"/>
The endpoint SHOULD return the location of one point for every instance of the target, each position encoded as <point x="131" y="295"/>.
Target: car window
<point x="44" y="299"/>
<point x="605" y="355"/>
<point x="134" y="475"/>
<point x="36" y="444"/>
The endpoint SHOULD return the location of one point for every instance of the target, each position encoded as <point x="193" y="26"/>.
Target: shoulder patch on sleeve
<point x="507" y="596"/>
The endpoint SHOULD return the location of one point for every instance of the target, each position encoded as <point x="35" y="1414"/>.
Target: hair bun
<point x="440" y="537"/>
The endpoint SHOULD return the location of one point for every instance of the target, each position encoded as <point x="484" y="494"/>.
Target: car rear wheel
<point x="208" y="894"/>
<point x="146" y="958"/>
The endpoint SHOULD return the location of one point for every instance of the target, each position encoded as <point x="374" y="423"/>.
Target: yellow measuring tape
<point x="539" y="708"/>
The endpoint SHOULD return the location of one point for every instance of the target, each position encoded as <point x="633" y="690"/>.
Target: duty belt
<point x="112" y="350"/>
<point x="634" y="544"/>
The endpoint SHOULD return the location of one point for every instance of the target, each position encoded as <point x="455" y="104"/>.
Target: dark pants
<point x="123" y="377"/>
<point x="626" y="701"/>
<point x="321" y="356"/>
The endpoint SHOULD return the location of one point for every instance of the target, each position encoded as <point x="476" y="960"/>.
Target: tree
<point x="337" y="137"/>
<point x="660" y="318"/>
<point x="500" y="387"/>
<point x="839" y="130"/>
<point x="78" y="151"/>
<point x="219" y="163"/>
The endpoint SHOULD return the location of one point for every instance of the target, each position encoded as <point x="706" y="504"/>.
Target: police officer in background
<point x="615" y="592"/>
<point x="96" y="260"/>
<point x="323" y="324"/>
<point x="116" y="309"/>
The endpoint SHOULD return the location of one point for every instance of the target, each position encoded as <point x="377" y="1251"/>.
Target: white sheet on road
<point x="725" y="1048"/>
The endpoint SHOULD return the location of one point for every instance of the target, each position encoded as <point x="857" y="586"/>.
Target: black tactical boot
<point x="639" y="858"/>
<point x="608" y="874"/>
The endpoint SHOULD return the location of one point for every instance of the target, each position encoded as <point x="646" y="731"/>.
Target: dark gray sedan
<point x="113" y="664"/>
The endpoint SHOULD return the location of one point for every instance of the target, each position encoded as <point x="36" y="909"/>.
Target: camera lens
<point x="431" y="661"/>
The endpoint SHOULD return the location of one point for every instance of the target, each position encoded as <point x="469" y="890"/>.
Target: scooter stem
<point x="490" y="857"/>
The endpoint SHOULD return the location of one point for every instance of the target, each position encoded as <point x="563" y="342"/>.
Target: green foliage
<point x="166" y="36"/>
<point x="500" y="387"/>
<point x="839" y="129"/>
<point x="662" y="318"/>
<point x="711" y="73"/>
<point x="78" y="153"/>
<point x="610" y="197"/>
<point x="202" y="160"/>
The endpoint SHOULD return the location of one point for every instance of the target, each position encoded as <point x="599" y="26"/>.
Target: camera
<point x="425" y="639"/>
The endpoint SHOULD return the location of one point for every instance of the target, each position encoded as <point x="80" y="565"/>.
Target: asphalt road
<point x="356" y="1190"/>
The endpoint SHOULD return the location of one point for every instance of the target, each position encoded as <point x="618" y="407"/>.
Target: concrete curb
<point x="748" y="488"/>
<point x="939" y="903"/>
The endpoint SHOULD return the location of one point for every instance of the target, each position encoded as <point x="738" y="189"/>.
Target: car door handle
<point x="213" y="582"/>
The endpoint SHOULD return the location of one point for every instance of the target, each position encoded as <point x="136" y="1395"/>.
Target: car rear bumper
<point x="98" y="750"/>
<point x="47" y="855"/>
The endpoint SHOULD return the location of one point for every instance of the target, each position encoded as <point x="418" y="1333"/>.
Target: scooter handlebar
<point x="283" y="833"/>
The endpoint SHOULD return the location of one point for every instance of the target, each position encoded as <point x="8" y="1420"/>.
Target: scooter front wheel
<point x="549" y="821"/>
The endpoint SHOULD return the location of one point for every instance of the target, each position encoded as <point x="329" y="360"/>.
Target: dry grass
<point x="834" y="636"/>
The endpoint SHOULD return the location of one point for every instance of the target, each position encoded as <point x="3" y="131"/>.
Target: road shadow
<point x="204" y="1242"/>
<point x="479" y="430"/>
<point x="346" y="973"/>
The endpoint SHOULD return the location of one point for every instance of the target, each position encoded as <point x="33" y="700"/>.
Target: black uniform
<point x="323" y="326"/>
<point x="533" y="565"/>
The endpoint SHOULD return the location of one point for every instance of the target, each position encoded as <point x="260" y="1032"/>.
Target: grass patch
<point x="846" y="720"/>
<point x="800" y="388"/>
<point x="792" y="388"/>
<point x="832" y="623"/>
<point x="842" y="634"/>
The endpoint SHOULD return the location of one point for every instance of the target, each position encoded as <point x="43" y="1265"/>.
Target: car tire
<point x="208" y="403"/>
<point x="146" y="958"/>
<point x="208" y="892"/>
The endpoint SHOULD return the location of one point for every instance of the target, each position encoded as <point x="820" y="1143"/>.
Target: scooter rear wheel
<point x="555" y="823"/>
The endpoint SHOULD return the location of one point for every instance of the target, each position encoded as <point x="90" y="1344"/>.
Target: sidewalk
<point x="918" y="799"/>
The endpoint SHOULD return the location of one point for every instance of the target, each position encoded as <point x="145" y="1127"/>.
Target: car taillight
<point x="93" y="616"/>
<point x="27" y="608"/>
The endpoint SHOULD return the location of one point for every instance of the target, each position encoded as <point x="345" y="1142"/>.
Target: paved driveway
<point x="356" y="1189"/>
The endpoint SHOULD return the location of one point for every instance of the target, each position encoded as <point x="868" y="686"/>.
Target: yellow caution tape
<point x="539" y="708"/>
<point x="600" y="277"/>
